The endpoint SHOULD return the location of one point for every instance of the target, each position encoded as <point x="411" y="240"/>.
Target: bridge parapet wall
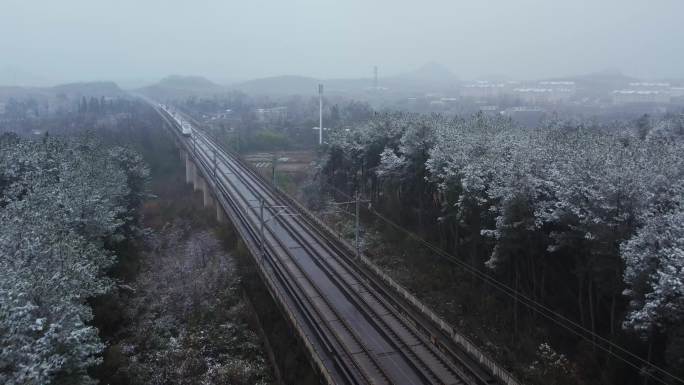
<point x="462" y="341"/>
<point x="195" y="167"/>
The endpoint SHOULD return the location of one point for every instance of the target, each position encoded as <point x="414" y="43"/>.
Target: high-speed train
<point x="186" y="127"/>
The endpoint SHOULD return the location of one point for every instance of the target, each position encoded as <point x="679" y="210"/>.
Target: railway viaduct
<point x="358" y="326"/>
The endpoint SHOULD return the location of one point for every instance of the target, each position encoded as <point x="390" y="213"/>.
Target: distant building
<point x="558" y="83"/>
<point x="483" y="90"/>
<point x="650" y="85"/>
<point x="561" y="87"/>
<point x="271" y="115"/>
<point x="542" y="95"/>
<point x="632" y="96"/>
<point x="647" y="93"/>
<point x="3" y="108"/>
<point x="546" y="92"/>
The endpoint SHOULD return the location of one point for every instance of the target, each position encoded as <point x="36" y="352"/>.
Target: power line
<point x="530" y="303"/>
<point x="536" y="306"/>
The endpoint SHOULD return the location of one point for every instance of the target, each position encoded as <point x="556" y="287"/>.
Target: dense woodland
<point x="582" y="218"/>
<point x="66" y="206"/>
<point x="585" y="219"/>
<point x="111" y="272"/>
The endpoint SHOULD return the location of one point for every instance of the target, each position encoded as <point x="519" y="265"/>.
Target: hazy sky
<point x="69" y="40"/>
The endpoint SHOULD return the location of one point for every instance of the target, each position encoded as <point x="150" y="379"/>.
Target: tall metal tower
<point x="375" y="78"/>
<point x="320" y="114"/>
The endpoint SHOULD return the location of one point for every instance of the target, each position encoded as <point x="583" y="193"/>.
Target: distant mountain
<point x="430" y="73"/>
<point x="89" y="89"/>
<point x="601" y="82"/>
<point x="279" y="85"/>
<point x="188" y="82"/>
<point x="177" y="86"/>
<point x="8" y="92"/>
<point x="70" y="91"/>
<point x="431" y="76"/>
<point x="428" y="78"/>
<point x="607" y="78"/>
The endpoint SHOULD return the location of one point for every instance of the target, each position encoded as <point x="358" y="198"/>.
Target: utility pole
<point x="261" y="229"/>
<point x="262" y="222"/>
<point x="320" y="114"/>
<point x="356" y="226"/>
<point x="274" y="163"/>
<point x="357" y="220"/>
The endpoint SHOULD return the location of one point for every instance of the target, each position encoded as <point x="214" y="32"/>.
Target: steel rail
<point x="351" y="375"/>
<point x="467" y="364"/>
<point x="380" y="324"/>
<point x="274" y="239"/>
<point x="319" y="242"/>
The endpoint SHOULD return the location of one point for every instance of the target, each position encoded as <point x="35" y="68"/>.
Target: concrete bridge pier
<point x="220" y="215"/>
<point x="193" y="176"/>
<point x="189" y="169"/>
<point x="207" y="198"/>
<point x="196" y="180"/>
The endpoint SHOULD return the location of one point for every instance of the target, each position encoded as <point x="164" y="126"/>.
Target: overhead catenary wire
<point x="532" y="304"/>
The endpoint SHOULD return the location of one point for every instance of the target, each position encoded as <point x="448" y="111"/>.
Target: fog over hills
<point x="286" y="84"/>
<point x="69" y="90"/>
<point x="431" y="72"/>
<point x="89" y="89"/>
<point x="428" y="78"/>
<point x="187" y="82"/>
<point x="177" y="86"/>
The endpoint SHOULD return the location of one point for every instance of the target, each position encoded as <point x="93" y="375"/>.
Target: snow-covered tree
<point x="654" y="273"/>
<point x="61" y="201"/>
<point x="570" y="213"/>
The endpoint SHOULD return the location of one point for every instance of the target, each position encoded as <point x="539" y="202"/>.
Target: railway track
<point x="363" y="334"/>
